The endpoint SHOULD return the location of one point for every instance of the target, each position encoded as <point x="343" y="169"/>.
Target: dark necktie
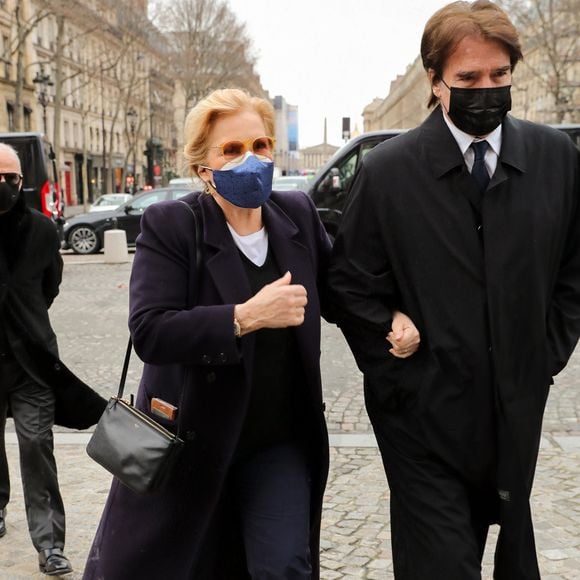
<point x="479" y="171"/>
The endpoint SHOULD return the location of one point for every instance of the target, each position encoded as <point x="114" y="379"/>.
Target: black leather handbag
<point x="132" y="446"/>
<point x="137" y="450"/>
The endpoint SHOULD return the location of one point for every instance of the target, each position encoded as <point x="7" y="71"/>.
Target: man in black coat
<point x="34" y="384"/>
<point x="470" y="226"/>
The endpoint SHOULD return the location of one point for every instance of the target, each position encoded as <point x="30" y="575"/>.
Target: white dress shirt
<point x="464" y="141"/>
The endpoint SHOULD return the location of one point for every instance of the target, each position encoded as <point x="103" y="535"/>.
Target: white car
<point x="290" y="182"/>
<point x="195" y="183"/>
<point x="110" y="201"/>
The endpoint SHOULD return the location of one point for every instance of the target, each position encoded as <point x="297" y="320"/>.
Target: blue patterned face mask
<point x="246" y="181"/>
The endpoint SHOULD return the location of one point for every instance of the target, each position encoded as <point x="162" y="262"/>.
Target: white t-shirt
<point x="253" y="246"/>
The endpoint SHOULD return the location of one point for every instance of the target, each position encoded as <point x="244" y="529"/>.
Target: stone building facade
<point x="532" y="94"/>
<point x="112" y="107"/>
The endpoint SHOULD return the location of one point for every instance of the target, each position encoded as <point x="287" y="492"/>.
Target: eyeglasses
<point x="11" y="178"/>
<point x="234" y="149"/>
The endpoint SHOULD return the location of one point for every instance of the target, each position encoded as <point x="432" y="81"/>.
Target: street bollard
<point x="116" y="247"/>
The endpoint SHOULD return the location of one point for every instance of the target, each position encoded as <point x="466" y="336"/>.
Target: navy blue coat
<point x="166" y="535"/>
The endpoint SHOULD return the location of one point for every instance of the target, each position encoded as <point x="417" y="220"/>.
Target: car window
<point x="112" y="200"/>
<point x="366" y="147"/>
<point x="144" y="201"/>
<point x="176" y="194"/>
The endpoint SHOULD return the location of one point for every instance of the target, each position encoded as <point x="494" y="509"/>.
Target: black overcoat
<point x="169" y="534"/>
<point x="27" y="291"/>
<point x="493" y="287"/>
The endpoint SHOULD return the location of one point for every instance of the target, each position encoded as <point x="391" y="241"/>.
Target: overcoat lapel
<point x="511" y="154"/>
<point x="442" y="157"/>
<point x="223" y="261"/>
<point x="290" y="254"/>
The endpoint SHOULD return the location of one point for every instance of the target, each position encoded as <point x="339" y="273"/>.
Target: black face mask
<point x="8" y="196"/>
<point x="478" y="111"/>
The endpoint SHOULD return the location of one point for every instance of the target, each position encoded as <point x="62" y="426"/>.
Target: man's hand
<point x="404" y="336"/>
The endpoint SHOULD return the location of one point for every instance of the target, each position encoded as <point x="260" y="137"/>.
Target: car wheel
<point x="83" y="240"/>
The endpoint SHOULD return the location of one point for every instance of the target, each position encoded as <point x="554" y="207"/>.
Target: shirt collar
<point x="464" y="140"/>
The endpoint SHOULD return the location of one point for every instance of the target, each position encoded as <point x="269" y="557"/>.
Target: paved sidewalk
<point x="90" y="320"/>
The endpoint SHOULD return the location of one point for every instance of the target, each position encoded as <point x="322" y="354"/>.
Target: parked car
<point x="572" y="130"/>
<point x="331" y="186"/>
<point x="289" y="182"/>
<point x="85" y="233"/>
<point x="110" y="201"/>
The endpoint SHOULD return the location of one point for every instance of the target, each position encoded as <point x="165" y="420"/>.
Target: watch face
<point x="237" y="328"/>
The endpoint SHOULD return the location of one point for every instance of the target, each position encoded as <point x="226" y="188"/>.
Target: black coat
<point x="27" y="290"/>
<point x="494" y="292"/>
<point x="168" y="534"/>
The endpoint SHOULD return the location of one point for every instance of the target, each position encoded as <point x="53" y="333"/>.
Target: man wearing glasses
<point x="30" y="274"/>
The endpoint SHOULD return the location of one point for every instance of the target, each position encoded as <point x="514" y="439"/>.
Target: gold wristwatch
<point x="237" y="328"/>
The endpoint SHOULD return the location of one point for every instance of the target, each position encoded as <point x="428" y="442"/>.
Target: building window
<point x="10" y="114"/>
<point x="27" y="115"/>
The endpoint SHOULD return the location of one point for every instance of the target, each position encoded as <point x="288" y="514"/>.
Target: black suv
<point x="331" y="186"/>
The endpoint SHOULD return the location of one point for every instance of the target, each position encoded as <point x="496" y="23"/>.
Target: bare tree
<point x="23" y="25"/>
<point x="210" y="47"/>
<point x="549" y="30"/>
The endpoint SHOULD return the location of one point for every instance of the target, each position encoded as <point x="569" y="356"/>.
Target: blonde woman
<point x="246" y="497"/>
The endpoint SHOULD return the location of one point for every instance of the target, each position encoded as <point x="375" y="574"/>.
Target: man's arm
<point x="362" y="289"/>
<point x="564" y="314"/>
<point x="53" y="272"/>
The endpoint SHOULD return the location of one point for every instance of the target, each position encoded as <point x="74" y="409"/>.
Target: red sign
<point x="157" y="170"/>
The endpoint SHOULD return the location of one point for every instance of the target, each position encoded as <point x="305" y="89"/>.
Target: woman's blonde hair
<point x="202" y="118"/>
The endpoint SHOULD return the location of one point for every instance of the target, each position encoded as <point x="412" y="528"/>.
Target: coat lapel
<point x="512" y="154"/>
<point x="223" y="261"/>
<point x="290" y="254"/>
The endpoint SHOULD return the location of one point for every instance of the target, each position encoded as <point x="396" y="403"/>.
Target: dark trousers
<point x="32" y="407"/>
<point x="439" y="522"/>
<point x="266" y="510"/>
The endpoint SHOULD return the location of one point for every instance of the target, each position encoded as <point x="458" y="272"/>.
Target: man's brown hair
<point x="458" y="20"/>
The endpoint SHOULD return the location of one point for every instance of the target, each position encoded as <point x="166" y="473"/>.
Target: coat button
<point x="479" y="227"/>
<point x="206" y="359"/>
<point x="56" y="367"/>
<point x="210" y="377"/>
<point x="222" y="357"/>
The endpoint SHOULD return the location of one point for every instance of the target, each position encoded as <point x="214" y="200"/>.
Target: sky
<point x="331" y="58"/>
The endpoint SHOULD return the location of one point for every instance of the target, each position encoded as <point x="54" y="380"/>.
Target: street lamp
<point x="132" y="117"/>
<point x="42" y="80"/>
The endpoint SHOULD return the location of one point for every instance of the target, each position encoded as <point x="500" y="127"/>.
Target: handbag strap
<point x="125" y="369"/>
<point x="198" y="257"/>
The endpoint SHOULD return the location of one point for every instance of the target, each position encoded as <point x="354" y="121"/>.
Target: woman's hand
<point x="276" y="305"/>
<point x="404" y="336"/>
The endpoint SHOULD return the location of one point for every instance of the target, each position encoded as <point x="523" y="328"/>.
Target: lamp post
<point x="132" y="117"/>
<point x="42" y="80"/>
